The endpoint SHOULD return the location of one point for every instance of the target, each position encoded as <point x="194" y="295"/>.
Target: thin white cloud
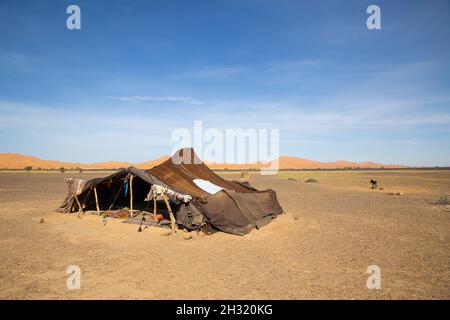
<point x="137" y="99"/>
<point x="12" y="59"/>
<point x="292" y="66"/>
<point x="97" y="135"/>
<point x="345" y="115"/>
<point x="210" y="73"/>
<point x="271" y="68"/>
<point x="141" y="137"/>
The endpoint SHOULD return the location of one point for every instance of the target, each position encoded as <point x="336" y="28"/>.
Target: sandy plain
<point x="319" y="249"/>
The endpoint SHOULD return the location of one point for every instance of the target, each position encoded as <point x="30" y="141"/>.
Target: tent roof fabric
<point x="180" y="175"/>
<point x="237" y="208"/>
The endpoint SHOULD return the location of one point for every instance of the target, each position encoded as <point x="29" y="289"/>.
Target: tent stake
<point x="131" y="196"/>
<point x="172" y="218"/>
<point x="96" y="200"/>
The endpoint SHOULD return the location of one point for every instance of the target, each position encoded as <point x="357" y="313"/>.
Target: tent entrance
<point x="126" y="196"/>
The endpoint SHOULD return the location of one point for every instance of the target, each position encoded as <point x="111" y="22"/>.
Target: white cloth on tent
<point x="207" y="186"/>
<point x="157" y="190"/>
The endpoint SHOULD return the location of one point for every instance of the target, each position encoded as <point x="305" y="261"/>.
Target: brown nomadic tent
<point x="198" y="197"/>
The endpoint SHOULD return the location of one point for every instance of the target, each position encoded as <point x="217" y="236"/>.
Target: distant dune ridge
<point x="19" y="161"/>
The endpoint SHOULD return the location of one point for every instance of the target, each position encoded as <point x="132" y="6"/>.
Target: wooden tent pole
<point x="154" y="208"/>
<point x="80" y="208"/>
<point x="131" y="196"/>
<point x="172" y="218"/>
<point x="96" y="200"/>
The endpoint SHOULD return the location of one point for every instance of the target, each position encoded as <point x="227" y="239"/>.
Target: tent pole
<point x="172" y="218"/>
<point x="110" y="207"/>
<point x="96" y="200"/>
<point x="154" y="208"/>
<point x="131" y="196"/>
<point x="80" y="208"/>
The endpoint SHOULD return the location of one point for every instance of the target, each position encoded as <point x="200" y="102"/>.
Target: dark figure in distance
<point x="373" y="184"/>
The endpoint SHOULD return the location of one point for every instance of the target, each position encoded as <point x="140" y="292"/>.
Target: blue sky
<point x="117" y="88"/>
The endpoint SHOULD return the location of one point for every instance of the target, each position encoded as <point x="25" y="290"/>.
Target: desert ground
<point x="320" y="248"/>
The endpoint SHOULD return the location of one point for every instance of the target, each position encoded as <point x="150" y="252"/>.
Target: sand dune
<point x="152" y="163"/>
<point x="19" y="161"/>
<point x="286" y="162"/>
